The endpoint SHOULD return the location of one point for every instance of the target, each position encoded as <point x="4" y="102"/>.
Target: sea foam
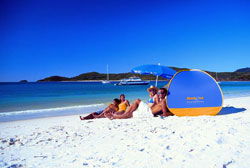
<point x="50" y="112"/>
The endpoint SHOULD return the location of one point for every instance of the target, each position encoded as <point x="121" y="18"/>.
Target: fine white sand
<point x="205" y="141"/>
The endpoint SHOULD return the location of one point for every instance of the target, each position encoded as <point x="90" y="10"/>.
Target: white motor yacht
<point x="133" y="81"/>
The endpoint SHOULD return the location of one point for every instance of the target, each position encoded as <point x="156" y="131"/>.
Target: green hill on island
<point x="238" y="75"/>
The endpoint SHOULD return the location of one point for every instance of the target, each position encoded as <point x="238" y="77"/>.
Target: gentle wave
<point x="51" y="109"/>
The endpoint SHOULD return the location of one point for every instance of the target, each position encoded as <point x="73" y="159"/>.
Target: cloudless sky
<point x="41" y="38"/>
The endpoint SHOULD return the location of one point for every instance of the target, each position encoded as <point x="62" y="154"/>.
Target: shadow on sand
<point x="230" y="110"/>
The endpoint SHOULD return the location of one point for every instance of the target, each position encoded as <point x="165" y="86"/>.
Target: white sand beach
<point x="206" y="141"/>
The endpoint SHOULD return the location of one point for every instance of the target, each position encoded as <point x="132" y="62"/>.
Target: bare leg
<point x="102" y="115"/>
<point x="115" y="116"/>
<point x="128" y="113"/>
<point x="109" y="116"/>
<point x="119" y="112"/>
<point x="161" y="107"/>
<point x="89" y="117"/>
<point x="156" y="109"/>
<point x="123" y="116"/>
<point x="99" y="116"/>
<point x="134" y="106"/>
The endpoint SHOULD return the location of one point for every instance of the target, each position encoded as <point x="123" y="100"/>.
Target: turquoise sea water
<point x="34" y="100"/>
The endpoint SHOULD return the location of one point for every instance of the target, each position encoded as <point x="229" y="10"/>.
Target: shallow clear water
<point x="31" y="96"/>
<point x="32" y="100"/>
<point x="235" y="89"/>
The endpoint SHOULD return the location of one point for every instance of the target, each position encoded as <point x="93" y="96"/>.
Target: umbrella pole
<point x="156" y="81"/>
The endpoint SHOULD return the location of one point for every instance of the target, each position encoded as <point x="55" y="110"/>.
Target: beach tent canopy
<point x="194" y="93"/>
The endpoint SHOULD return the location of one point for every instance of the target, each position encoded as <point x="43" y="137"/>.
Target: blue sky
<point x="40" y="38"/>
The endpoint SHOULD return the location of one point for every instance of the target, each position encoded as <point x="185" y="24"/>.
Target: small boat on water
<point x="106" y="81"/>
<point x="133" y="81"/>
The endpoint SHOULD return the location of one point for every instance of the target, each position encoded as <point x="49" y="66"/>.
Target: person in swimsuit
<point x="100" y="114"/>
<point x="161" y="108"/>
<point x="123" y="105"/>
<point x="153" y="97"/>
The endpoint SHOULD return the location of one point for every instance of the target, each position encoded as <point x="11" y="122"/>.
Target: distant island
<point x="238" y="75"/>
<point x="243" y="70"/>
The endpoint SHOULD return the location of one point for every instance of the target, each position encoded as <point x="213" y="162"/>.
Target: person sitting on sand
<point x="143" y="109"/>
<point x="161" y="108"/>
<point x="153" y="96"/>
<point x="123" y="105"/>
<point x="100" y="114"/>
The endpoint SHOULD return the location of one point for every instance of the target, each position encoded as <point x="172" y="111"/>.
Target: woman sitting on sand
<point x="153" y="96"/>
<point x="118" y="107"/>
<point x="123" y="105"/>
<point x="143" y="109"/>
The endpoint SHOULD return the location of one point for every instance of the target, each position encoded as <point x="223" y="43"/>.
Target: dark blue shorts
<point x="99" y="112"/>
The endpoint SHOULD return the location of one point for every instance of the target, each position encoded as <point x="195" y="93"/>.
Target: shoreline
<point x="225" y="104"/>
<point x="102" y="80"/>
<point x="62" y="111"/>
<point x="97" y="81"/>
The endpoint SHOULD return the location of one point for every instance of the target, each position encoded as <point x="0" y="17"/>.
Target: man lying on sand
<point x="157" y="109"/>
<point x="118" y="106"/>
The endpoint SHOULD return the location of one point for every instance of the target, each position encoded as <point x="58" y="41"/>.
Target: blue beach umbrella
<point x="157" y="70"/>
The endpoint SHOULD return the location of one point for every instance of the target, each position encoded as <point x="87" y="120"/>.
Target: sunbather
<point x="100" y="114"/>
<point x="153" y="97"/>
<point x="123" y="105"/>
<point x="161" y="108"/>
